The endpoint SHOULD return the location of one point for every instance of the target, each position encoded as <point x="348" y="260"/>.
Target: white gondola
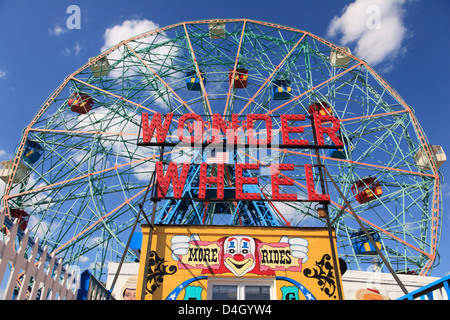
<point x="339" y="59"/>
<point x="100" y="68"/>
<point x="7" y="169"/>
<point x="217" y="30"/>
<point x="439" y="157"/>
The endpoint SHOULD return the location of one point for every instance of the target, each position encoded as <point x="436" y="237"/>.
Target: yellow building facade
<point x="236" y="263"/>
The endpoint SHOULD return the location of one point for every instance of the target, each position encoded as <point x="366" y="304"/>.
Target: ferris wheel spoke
<point x="160" y="79"/>
<point x="94" y="224"/>
<point x="388" y="169"/>
<point x="115" y="167"/>
<point x="205" y="98"/>
<point x="314" y="88"/>
<point x="68" y="131"/>
<point x="373" y="225"/>
<point x="231" y="83"/>
<point x="275" y="70"/>
<point x="120" y="98"/>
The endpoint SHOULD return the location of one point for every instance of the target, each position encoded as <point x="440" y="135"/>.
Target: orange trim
<point x="373" y="115"/>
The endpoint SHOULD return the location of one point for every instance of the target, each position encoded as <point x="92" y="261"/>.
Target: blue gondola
<point x="361" y="243"/>
<point x="193" y="81"/>
<point x="33" y="151"/>
<point x="342" y="152"/>
<point x="281" y="90"/>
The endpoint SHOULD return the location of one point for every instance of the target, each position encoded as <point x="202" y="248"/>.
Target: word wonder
<point x="192" y="129"/>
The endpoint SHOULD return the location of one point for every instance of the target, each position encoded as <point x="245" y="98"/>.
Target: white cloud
<point x="374" y="28"/>
<point x="66" y="52"/>
<point x="125" y="31"/>
<point x="75" y="50"/>
<point x="84" y="259"/>
<point x="3" y="74"/>
<point x="159" y="59"/>
<point x="4" y="155"/>
<point x="105" y="119"/>
<point x="57" y="30"/>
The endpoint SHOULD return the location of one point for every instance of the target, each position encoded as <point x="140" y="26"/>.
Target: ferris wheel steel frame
<point x="99" y="220"/>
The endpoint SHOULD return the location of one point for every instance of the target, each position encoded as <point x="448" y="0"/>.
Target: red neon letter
<point x="277" y="181"/>
<point x="251" y="138"/>
<point x="331" y="131"/>
<point x="161" y="131"/>
<point x="312" y="194"/>
<point x="163" y="181"/>
<point x="204" y="180"/>
<point x="285" y="130"/>
<point x="198" y="128"/>
<point x="240" y="181"/>
<point x="228" y="128"/>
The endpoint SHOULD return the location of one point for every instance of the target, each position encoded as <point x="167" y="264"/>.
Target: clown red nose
<point x="238" y="257"/>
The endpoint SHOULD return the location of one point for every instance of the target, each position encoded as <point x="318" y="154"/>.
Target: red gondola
<point x="366" y="189"/>
<point x="240" y="79"/>
<point x="22" y="216"/>
<point x="322" y="107"/>
<point x="80" y="103"/>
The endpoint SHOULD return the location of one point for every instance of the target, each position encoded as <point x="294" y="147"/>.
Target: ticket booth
<point x="236" y="263"/>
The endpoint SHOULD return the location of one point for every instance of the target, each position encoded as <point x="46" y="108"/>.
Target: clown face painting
<point x="239" y="254"/>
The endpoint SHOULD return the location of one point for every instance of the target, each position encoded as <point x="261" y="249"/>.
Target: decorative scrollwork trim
<point x="156" y="272"/>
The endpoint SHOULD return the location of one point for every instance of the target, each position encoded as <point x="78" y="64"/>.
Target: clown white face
<point x="239" y="254"/>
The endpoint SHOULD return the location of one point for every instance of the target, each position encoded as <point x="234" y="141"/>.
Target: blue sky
<point x="38" y="51"/>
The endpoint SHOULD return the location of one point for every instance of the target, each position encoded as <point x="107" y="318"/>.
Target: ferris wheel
<point x="79" y="176"/>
